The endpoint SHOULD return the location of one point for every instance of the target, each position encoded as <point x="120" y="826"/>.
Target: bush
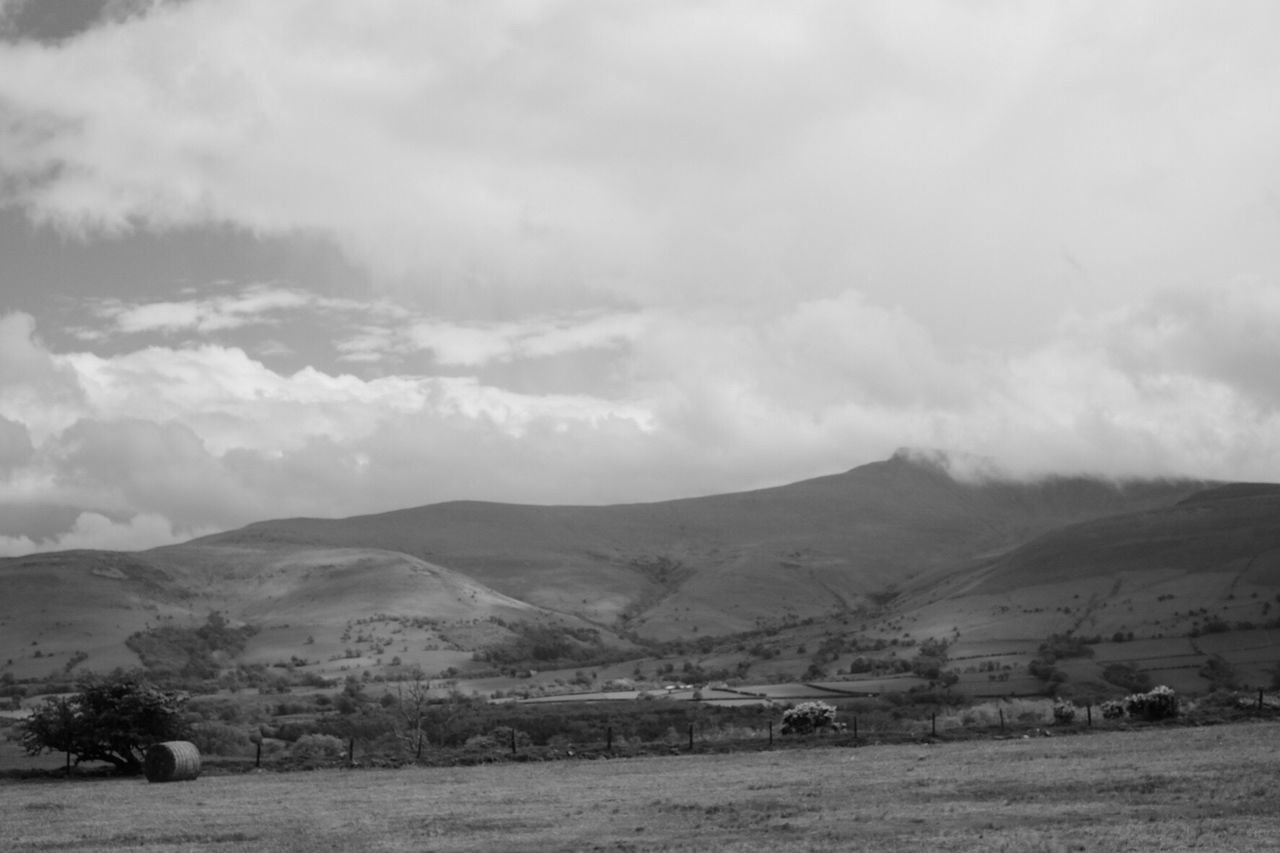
<point x="1220" y="674"/>
<point x="197" y="653"/>
<point x="808" y="717"/>
<point x="319" y="746"/>
<point x="1059" y="646"/>
<point x="1064" y="712"/>
<point x="1161" y="703"/>
<point x="1112" y="709"/>
<point x="219" y="739"/>
<point x="112" y="719"/>
<point x="1123" y="675"/>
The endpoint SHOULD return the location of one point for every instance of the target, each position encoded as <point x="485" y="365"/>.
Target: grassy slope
<point x="1161" y="789"/>
<point x="1160" y="574"/>
<point x="92" y="601"/>
<point x="722" y="563"/>
<point x="999" y="562"/>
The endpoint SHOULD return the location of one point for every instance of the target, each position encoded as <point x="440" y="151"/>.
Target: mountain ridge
<point x="819" y="549"/>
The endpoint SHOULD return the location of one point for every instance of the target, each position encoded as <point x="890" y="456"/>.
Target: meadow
<point x="1157" y="788"/>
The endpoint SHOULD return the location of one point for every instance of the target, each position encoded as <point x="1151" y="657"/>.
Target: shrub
<point x="190" y="652"/>
<point x="1059" y="646"/>
<point x="1112" y="709"/>
<point x="1064" y="712"/>
<point x="1123" y="675"/>
<point x="1161" y="703"/>
<point x="112" y="719"/>
<point x="215" y="738"/>
<point x="319" y="746"/>
<point x="808" y="717"/>
<point x="1219" y="673"/>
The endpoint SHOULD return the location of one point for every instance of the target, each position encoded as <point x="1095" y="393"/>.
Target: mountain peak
<point x="960" y="466"/>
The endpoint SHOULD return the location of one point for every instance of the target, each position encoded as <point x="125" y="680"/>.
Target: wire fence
<point x="1009" y="719"/>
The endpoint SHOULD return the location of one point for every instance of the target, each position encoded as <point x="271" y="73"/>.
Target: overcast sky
<point x="267" y="259"/>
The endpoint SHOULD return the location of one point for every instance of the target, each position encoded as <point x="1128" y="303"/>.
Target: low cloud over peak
<point x="320" y="258"/>
<point x="204" y="436"/>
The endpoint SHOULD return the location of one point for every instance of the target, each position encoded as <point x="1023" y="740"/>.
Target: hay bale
<point x="172" y="761"/>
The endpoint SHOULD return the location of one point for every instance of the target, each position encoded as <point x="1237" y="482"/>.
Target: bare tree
<point x="411" y="712"/>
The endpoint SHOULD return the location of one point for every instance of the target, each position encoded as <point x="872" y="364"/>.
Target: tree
<point x="112" y="719"/>
<point x="930" y="659"/>
<point x="1220" y="674"/>
<point x="808" y="717"/>
<point x="411" y="709"/>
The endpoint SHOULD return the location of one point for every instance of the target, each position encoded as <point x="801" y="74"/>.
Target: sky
<point x="263" y="260"/>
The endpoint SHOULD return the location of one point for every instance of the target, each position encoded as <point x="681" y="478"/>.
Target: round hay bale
<point x="172" y="761"/>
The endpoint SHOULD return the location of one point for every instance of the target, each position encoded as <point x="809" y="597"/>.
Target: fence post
<point x="351" y="752"/>
<point x="933" y="724"/>
<point x="1088" y="713"/>
<point x="1259" y="700"/>
<point x="608" y="739"/>
<point x="513" y="741"/>
<point x="1001" y="710"/>
<point x="257" y="758"/>
<point x="771" y="733"/>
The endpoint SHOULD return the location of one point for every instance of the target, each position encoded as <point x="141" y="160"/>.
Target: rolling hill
<point x="899" y="548"/>
<point x="726" y="563"/>
<point x="1189" y="581"/>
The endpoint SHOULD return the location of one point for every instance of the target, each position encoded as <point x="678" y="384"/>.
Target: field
<point x="1176" y="788"/>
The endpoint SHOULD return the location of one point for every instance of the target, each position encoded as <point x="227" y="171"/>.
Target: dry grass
<point x="1167" y="789"/>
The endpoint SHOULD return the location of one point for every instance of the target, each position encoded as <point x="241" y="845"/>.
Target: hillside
<point x="1180" y="584"/>
<point x="727" y="563"/>
<point x="982" y="560"/>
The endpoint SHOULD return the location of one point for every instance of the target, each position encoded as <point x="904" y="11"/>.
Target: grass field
<point x="1208" y="788"/>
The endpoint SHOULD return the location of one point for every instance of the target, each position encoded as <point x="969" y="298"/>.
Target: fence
<point x="1018" y="718"/>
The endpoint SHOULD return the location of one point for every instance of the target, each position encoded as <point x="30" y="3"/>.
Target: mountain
<point x="725" y="563"/>
<point x="431" y="584"/>
<point x="1205" y="564"/>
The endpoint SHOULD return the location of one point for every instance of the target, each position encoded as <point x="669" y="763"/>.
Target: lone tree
<point x="808" y="717"/>
<point x="112" y="719"/>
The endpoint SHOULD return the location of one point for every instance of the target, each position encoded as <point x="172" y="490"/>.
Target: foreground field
<point x="1212" y="788"/>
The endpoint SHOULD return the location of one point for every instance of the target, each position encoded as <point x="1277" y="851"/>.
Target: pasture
<point x="1165" y="788"/>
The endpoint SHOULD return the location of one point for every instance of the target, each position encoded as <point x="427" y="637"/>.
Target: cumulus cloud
<point x="92" y="530"/>
<point x="607" y="251"/>
<point x="672" y="152"/>
<point x="1229" y="335"/>
<point x="33" y="382"/>
<point x="206" y="437"/>
<point x="15" y="446"/>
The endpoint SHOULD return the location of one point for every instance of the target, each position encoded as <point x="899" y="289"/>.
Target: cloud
<point x="476" y="345"/>
<point x="234" y="401"/>
<point x="95" y="531"/>
<point x="206" y="437"/>
<point x="44" y="391"/>
<point x="1229" y="335"/>
<point x="252" y="305"/>
<point x="939" y="158"/>
<point x="606" y="251"/>
<point x="15" y="446"/>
